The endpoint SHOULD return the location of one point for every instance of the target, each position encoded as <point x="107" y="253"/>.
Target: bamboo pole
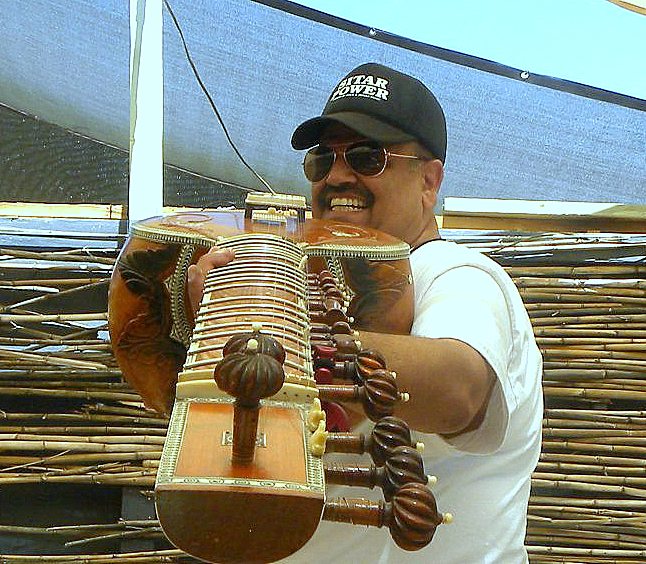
<point x="593" y="320"/>
<point x="144" y="477"/>
<point x="586" y="374"/>
<point x="594" y="433"/>
<point x="596" y="503"/>
<point x="49" y="359"/>
<point x="56" y="257"/>
<point x="616" y="416"/>
<point x="59" y="317"/>
<point x="111" y="372"/>
<point x="587" y="343"/>
<point x="635" y="356"/>
<point x="594" y="461"/>
<point x="30" y="445"/>
<point x="6" y="438"/>
<point x="123" y="410"/>
<point x="134" y="417"/>
<point x="579" y="332"/>
<point x="88" y="386"/>
<point x="597" y="363"/>
<point x="558" y="296"/>
<point x="538" y="311"/>
<point x="62" y="459"/>
<point x="563" y="484"/>
<point x="606" y="552"/>
<point x="593" y="394"/>
<point x="136" y="533"/>
<point x="71" y="394"/>
<point x="45" y="297"/>
<point x="547" y="287"/>
<point x="44" y="282"/>
<point x="145" y="557"/>
<point x="568" y="467"/>
<point x="577" y="423"/>
<point x="579" y="446"/>
<point x="589" y="512"/>
<point x="604" y="271"/>
<point x="83" y="430"/>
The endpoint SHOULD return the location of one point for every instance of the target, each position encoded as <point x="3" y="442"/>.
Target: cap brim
<point x="309" y="133"/>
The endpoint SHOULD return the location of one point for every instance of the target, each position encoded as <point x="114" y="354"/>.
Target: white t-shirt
<point x="483" y="476"/>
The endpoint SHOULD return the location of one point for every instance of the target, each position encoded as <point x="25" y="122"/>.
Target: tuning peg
<point x="412" y="516"/>
<point x="403" y="465"/>
<point x="328" y="311"/>
<point x="342" y="328"/>
<point x="251" y="370"/>
<point x="328" y="352"/>
<point x="338" y="328"/>
<point x="359" y="365"/>
<point x="347" y="344"/>
<point x="388" y="433"/>
<point x="378" y="394"/>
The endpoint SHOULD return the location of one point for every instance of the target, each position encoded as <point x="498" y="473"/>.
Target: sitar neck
<point x="264" y="288"/>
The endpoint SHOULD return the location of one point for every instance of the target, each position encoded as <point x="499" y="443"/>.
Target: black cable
<point x="211" y="102"/>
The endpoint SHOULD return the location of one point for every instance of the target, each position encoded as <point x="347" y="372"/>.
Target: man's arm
<point x="448" y="381"/>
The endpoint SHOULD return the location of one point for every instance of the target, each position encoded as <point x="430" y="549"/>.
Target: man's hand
<point x="197" y="273"/>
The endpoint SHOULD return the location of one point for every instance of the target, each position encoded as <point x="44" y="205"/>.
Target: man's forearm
<point x="448" y="381"/>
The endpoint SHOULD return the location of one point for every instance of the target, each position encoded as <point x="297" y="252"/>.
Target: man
<point x="471" y="365"/>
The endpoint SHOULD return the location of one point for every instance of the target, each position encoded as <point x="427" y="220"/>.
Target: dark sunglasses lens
<point x="318" y="162"/>
<point x="368" y="160"/>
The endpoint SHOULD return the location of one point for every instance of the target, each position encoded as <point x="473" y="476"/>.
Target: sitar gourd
<point x="251" y="381"/>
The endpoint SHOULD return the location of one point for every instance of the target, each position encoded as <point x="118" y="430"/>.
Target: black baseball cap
<point x="384" y="105"/>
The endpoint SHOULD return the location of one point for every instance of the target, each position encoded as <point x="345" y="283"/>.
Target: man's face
<point x="391" y="202"/>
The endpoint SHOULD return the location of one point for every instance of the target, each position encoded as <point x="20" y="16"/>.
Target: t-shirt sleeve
<point x="467" y="304"/>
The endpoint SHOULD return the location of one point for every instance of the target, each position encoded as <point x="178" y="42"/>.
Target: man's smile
<point x="347" y="204"/>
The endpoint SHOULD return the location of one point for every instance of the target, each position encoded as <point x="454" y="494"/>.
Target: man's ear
<point x="432" y="177"/>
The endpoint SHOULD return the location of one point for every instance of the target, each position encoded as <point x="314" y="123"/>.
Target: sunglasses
<point x="365" y="158"/>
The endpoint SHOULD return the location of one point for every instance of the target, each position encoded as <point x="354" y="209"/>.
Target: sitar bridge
<point x="264" y="207"/>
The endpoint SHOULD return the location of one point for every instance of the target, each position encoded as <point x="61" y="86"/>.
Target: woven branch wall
<point x="66" y="417"/>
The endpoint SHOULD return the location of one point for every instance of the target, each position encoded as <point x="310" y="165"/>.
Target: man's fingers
<point x="215" y="257"/>
<point x="195" y="286"/>
<point x="197" y="272"/>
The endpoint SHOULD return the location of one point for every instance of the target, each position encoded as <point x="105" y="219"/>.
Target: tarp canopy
<point x="269" y="65"/>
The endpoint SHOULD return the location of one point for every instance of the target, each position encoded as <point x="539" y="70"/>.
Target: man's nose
<point x="340" y="173"/>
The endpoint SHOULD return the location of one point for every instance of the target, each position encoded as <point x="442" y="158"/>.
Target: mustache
<point x="331" y="190"/>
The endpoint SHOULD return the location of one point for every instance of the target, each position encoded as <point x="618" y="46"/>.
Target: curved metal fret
<point x="265" y="284"/>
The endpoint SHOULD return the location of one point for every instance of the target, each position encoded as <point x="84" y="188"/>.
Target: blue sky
<point x="591" y="42"/>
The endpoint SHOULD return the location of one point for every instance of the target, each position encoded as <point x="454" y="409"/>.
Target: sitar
<point x="254" y="381"/>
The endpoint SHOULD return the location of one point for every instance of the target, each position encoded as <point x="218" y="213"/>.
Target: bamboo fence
<point x="66" y="416"/>
<point x="586" y="298"/>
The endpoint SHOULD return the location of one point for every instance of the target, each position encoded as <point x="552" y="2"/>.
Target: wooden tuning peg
<point x="378" y="394"/>
<point x="249" y="375"/>
<point x="403" y="465"/>
<point x="389" y="432"/>
<point x="411" y="516"/>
